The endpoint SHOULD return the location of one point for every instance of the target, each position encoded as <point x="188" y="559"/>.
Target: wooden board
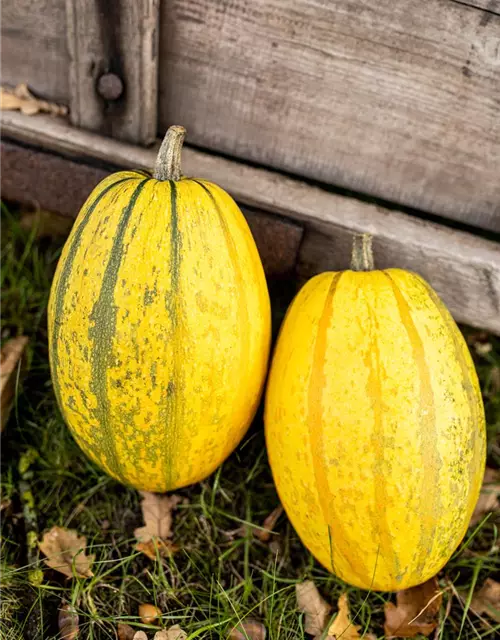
<point x="464" y="269"/>
<point x="119" y="39"/>
<point x="34" y="47"/>
<point x="399" y="100"/>
<point x="488" y="5"/>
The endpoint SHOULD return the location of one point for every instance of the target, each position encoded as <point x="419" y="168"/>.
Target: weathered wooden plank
<point x="34" y="46"/>
<point x="113" y="68"/>
<point x="399" y="100"/>
<point x="487" y="5"/>
<point x="48" y="181"/>
<point x="464" y="268"/>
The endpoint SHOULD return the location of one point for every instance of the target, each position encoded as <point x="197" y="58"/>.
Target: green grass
<point x="219" y="577"/>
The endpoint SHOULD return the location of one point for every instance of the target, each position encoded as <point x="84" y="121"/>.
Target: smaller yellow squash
<point x="374" y="425"/>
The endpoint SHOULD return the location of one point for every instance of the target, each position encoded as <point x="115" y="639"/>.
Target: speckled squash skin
<point x="375" y="427"/>
<point x="159" y="329"/>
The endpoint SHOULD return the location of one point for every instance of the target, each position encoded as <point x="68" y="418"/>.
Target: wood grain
<point x="34" y="47"/>
<point x="399" y="100"/>
<point x="492" y="6"/>
<point x="120" y="38"/>
<point x="463" y="268"/>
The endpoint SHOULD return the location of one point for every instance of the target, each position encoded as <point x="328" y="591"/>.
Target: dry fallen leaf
<point x="148" y="613"/>
<point x="416" y="611"/>
<point x="46" y="223"/>
<point x="10" y="356"/>
<point x="268" y="524"/>
<point x="140" y="635"/>
<point x="21" y="99"/>
<point x="125" y="632"/>
<point x="157" y="514"/>
<point x="310" y="603"/>
<point x="489" y="498"/>
<point x="156" y="546"/>
<point x="68" y="622"/>
<point x="342" y="626"/>
<point x="248" y="630"/>
<point x="173" y="633"/>
<point x="64" y="549"/>
<point x="487" y="600"/>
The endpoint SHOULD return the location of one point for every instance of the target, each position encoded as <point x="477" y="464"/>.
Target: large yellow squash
<point x="159" y="326"/>
<point x="375" y="426"/>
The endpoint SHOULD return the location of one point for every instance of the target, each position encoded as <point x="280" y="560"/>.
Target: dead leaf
<point x="489" y="498"/>
<point x="248" y="630"/>
<point x="164" y="548"/>
<point x="157" y="514"/>
<point x="416" y="611"/>
<point x="487" y="600"/>
<point x="125" y="632"/>
<point x="64" y="549"/>
<point x="68" y="622"/>
<point x="173" y="633"/>
<point x="268" y="524"/>
<point x="10" y="356"/>
<point x="46" y="223"/>
<point x="140" y="635"/>
<point x="310" y="603"/>
<point x="21" y="99"/>
<point x="148" y="613"/>
<point x="342" y="626"/>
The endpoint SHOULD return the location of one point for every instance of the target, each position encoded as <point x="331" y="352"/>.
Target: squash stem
<point x="362" y="253"/>
<point x="168" y="161"/>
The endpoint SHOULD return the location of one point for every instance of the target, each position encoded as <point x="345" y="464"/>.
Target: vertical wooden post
<point x="113" y="74"/>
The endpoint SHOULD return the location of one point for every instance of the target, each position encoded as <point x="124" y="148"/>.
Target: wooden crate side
<point x="453" y="261"/>
<point x="34" y="47"/>
<point x="399" y="100"/>
<point x="113" y="70"/>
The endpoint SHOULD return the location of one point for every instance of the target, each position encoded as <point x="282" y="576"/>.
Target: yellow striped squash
<point x="159" y="325"/>
<point x="375" y="425"/>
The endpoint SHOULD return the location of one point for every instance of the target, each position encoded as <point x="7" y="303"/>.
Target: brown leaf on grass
<point x="316" y="610"/>
<point x="342" y="626"/>
<point x="125" y="632"/>
<point x="46" y="223"/>
<point x="172" y="633"/>
<point x="268" y="524"/>
<point x="157" y="514"/>
<point x="10" y="356"/>
<point x="248" y="630"/>
<point x="140" y="635"/>
<point x="489" y="498"/>
<point x="157" y="546"/>
<point x="64" y="549"/>
<point x="148" y="613"/>
<point x="21" y="99"/>
<point x="68" y="622"/>
<point x="487" y="600"/>
<point x="416" y="611"/>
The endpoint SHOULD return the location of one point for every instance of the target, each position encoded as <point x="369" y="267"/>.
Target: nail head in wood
<point x="110" y="86"/>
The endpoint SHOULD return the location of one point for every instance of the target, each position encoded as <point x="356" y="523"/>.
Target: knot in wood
<point x="110" y="86"/>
